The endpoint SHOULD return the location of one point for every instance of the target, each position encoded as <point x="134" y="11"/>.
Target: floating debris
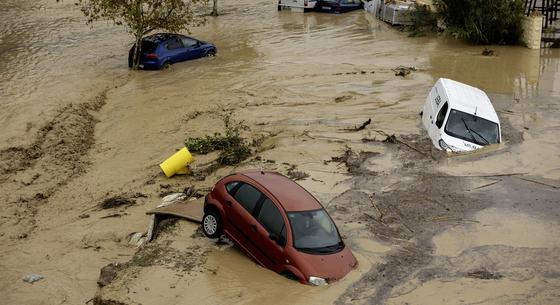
<point x="115" y="202"/>
<point x="295" y="174"/>
<point x="487" y="52"/>
<point x="32" y="278"/>
<point x="108" y="274"/>
<point x="391" y="139"/>
<point x="361" y="127"/>
<point x="403" y="71"/>
<point x="484" y="274"/>
<point x="342" y="98"/>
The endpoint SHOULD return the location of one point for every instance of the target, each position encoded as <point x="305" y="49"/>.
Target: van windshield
<point x="471" y="128"/>
<point x="314" y="232"/>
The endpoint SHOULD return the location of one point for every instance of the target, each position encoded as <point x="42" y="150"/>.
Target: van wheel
<point x="212" y="224"/>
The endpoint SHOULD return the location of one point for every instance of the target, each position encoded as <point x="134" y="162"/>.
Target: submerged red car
<point x="279" y="224"/>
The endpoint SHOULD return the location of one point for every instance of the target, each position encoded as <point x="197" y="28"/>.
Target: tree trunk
<point x="215" y="8"/>
<point x="137" y="52"/>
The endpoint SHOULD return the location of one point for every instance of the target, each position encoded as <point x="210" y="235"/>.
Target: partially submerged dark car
<point x="279" y="224"/>
<point x="337" y="6"/>
<point x="163" y="49"/>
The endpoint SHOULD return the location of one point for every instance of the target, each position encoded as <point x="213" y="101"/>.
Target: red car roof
<point x="290" y="195"/>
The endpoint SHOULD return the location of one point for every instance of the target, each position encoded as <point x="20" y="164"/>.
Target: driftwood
<point x="541" y="183"/>
<point x="358" y="128"/>
<point x="485" y="185"/>
<point x="364" y="124"/>
<point x="378" y="210"/>
<point x="486" y="176"/>
<point x="394" y="139"/>
<point x="113" y="215"/>
<point x="449" y="218"/>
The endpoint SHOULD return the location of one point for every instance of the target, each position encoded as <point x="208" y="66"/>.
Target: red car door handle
<point x="254" y="227"/>
<point x="228" y="203"/>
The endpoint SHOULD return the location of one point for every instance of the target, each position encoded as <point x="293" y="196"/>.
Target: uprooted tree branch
<point x="214" y="7"/>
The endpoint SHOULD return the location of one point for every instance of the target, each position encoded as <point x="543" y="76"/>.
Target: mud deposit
<point x="82" y="138"/>
<point x="30" y="174"/>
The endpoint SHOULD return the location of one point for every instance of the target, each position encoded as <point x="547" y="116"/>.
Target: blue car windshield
<point x="471" y="128"/>
<point x="314" y="232"/>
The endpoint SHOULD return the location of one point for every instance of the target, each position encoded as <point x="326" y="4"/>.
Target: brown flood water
<point x="281" y="72"/>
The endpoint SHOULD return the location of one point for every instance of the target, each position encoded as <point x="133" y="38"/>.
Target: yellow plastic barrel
<point x="177" y="163"/>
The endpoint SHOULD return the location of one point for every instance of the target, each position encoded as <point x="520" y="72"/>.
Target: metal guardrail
<point x="548" y="8"/>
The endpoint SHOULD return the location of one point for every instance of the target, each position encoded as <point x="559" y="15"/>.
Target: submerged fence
<point x="548" y="8"/>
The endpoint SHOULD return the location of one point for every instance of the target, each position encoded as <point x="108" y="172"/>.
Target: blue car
<point x="163" y="49"/>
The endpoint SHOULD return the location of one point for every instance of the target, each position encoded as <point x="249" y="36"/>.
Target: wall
<point x="532" y="28"/>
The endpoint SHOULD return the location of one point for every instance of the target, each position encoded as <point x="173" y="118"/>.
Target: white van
<point x="459" y="117"/>
<point x="297" y="5"/>
<point x="393" y="12"/>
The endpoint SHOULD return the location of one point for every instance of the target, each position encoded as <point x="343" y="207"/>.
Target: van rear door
<point x="430" y="108"/>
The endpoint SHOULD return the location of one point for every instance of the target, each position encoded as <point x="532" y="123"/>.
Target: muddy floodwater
<point x="426" y="227"/>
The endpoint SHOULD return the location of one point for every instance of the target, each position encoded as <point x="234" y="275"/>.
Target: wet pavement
<point x="418" y="226"/>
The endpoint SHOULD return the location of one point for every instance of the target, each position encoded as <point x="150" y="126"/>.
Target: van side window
<point x="441" y="115"/>
<point x="248" y="197"/>
<point x="271" y="219"/>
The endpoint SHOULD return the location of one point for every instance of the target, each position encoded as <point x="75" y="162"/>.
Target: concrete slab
<point x="192" y="210"/>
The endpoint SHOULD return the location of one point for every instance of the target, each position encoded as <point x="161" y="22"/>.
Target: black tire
<point x="289" y="275"/>
<point x="212" y="224"/>
<point x="210" y="53"/>
<point x="130" y="55"/>
<point x="165" y="65"/>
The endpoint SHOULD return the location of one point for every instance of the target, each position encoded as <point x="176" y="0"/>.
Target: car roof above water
<point x="468" y="99"/>
<point x="290" y="195"/>
<point x="160" y="37"/>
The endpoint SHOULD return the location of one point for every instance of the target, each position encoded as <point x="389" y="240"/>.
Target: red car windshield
<point x="314" y="232"/>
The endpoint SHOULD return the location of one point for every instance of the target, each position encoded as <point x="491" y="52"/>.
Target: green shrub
<point x="423" y="20"/>
<point x="233" y="148"/>
<point x="482" y="21"/>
